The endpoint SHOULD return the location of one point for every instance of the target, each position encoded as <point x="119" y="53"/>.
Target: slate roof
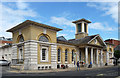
<point x="84" y="40"/>
<point x="61" y="38"/>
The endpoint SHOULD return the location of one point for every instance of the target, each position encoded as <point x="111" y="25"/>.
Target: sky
<point x="103" y="15"/>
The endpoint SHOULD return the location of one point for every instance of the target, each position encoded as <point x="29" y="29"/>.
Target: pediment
<point x="97" y="40"/>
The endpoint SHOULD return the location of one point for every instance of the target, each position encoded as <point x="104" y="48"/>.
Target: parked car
<point x="4" y="63"/>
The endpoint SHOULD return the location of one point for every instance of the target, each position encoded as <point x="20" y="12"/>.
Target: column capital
<point x="86" y="46"/>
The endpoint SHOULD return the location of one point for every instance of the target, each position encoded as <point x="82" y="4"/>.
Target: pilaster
<point x="53" y="56"/>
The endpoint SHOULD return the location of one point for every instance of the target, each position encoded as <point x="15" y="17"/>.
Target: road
<point x="107" y="71"/>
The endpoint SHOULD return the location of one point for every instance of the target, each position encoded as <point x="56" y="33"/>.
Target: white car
<point x="4" y="63"/>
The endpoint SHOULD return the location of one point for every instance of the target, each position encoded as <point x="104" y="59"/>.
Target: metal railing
<point x="17" y="61"/>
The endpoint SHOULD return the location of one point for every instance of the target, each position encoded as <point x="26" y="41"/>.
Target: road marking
<point x="100" y="74"/>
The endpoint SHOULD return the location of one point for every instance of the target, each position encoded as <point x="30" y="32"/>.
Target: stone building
<point x="5" y="48"/>
<point x="36" y="46"/>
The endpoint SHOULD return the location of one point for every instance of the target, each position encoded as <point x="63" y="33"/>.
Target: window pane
<point x="43" y="38"/>
<point x="85" y="29"/>
<point x="43" y="54"/>
<point x="21" y="39"/>
<point x="79" y="27"/>
<point x="58" y="54"/>
<point x="72" y="54"/>
<point x="65" y="55"/>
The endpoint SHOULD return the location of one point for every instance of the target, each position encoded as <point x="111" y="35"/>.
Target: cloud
<point x="61" y="34"/>
<point x="108" y="8"/>
<point x="62" y="21"/>
<point x="101" y="26"/>
<point x="62" y="0"/>
<point x="22" y="5"/>
<point x="12" y="16"/>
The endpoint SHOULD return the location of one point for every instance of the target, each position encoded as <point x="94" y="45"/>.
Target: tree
<point x="117" y="54"/>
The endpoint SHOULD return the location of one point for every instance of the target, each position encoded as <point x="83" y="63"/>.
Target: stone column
<point x="112" y="56"/>
<point x="92" y="55"/>
<point x="83" y="27"/>
<point x="96" y="56"/>
<point x="101" y="59"/>
<point x="107" y="58"/>
<point x="86" y="55"/>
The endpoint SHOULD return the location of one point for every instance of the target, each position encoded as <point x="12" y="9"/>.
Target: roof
<point x="5" y="39"/>
<point x="109" y="43"/>
<point x="84" y="40"/>
<point x="81" y="41"/>
<point x="29" y="22"/>
<point x="61" y="38"/>
<point x="81" y="20"/>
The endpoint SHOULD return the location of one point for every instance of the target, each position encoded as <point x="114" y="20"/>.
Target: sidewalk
<point x="52" y="70"/>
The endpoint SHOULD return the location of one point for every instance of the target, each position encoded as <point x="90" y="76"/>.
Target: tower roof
<point x="81" y="20"/>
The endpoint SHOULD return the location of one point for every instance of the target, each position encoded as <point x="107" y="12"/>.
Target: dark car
<point x="4" y="63"/>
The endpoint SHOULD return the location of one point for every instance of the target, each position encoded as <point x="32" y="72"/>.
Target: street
<point x="105" y="71"/>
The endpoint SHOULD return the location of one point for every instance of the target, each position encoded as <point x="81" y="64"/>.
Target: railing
<point x="17" y="61"/>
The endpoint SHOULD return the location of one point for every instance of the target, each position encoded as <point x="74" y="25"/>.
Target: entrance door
<point x="99" y="58"/>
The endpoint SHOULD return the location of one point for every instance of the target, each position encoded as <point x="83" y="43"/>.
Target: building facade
<point x="36" y="46"/>
<point x="112" y="41"/>
<point x="5" y="48"/>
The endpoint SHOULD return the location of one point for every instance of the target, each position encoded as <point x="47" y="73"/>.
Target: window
<point x="95" y="41"/>
<point x="43" y="54"/>
<point x="43" y="38"/>
<point x="72" y="55"/>
<point x="66" y="55"/>
<point x="85" y="29"/>
<point x="58" y="55"/>
<point x="110" y="50"/>
<point x="21" y="53"/>
<point x="110" y="46"/>
<point x="21" y="39"/>
<point x="79" y="27"/>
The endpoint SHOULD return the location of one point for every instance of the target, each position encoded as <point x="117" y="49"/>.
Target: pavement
<point x="107" y="71"/>
<point x="53" y="70"/>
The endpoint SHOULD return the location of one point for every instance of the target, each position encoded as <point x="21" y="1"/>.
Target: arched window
<point x="43" y="38"/>
<point x="59" y="55"/>
<point x="66" y="53"/>
<point x="72" y="55"/>
<point x="110" y="50"/>
<point x="21" y="39"/>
